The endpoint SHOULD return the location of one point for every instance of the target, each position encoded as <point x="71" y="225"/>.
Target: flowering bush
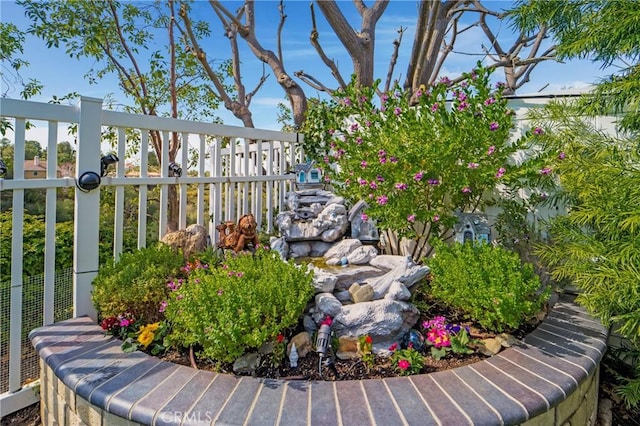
<point x="366" y="350"/>
<point x="444" y="337"/>
<point x="135" y="336"/>
<point x="136" y="283"/>
<point x="489" y="284"/>
<point x="418" y="157"/>
<point x="246" y="301"/>
<point x="406" y="361"/>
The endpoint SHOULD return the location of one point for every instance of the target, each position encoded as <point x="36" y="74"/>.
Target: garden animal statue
<point x="238" y="238"/>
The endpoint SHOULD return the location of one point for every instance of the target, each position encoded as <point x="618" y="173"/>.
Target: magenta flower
<point x="493" y="126"/>
<point x="561" y="155"/>
<point x="500" y="172"/>
<point x="403" y="364"/>
<point x="434" y="107"/>
<point x="461" y="96"/>
<point x="397" y="111"/>
<point x="411" y="218"/>
<point x="463" y="106"/>
<point x="500" y="84"/>
<point x="418" y="176"/>
<point x="401" y="186"/>
<point x="354" y="127"/>
<point x="327" y="179"/>
<point x="445" y="80"/>
<point x="490" y="101"/>
<point x="383" y="160"/>
<point x="368" y="123"/>
<point x="393" y="347"/>
<point x="362" y="182"/>
<point x="393" y="159"/>
<point x="347" y="101"/>
<point x="326" y="159"/>
<point x="384" y="98"/>
<point x="491" y="150"/>
<point x="220" y="292"/>
<point x="363" y="164"/>
<point x="363" y="99"/>
<point x="379" y="178"/>
<point x="163" y="306"/>
<point x="466" y="190"/>
<point x="473" y="165"/>
<point x="331" y="131"/>
<point x="239" y="274"/>
<point x="359" y="141"/>
<point x="433" y="182"/>
<point x="436" y="218"/>
<point x="373" y="185"/>
<point x="538" y="131"/>
<point x="364" y="217"/>
<point x="545" y="171"/>
<point x="382" y="200"/>
<point x="125" y="322"/>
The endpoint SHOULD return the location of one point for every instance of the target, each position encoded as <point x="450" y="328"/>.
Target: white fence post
<point x="87" y="208"/>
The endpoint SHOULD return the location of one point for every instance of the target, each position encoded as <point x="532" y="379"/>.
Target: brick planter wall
<point x="549" y="379"/>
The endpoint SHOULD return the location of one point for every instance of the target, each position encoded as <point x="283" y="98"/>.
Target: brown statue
<point x="238" y="237"/>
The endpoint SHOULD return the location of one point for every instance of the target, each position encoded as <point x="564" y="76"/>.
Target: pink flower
<point x="434" y="107"/>
<point x="327" y="321"/>
<point x="327" y="179"/>
<point x="354" y="127"/>
<point x="500" y="172"/>
<point x="393" y="347"/>
<point x="401" y="186"/>
<point x="382" y="153"/>
<point x="462" y="106"/>
<point x="433" y="182"/>
<point x="493" y="126"/>
<point x="436" y="218"/>
<point x="363" y="164"/>
<point x="163" y="306"/>
<point x="545" y="171"/>
<point x="491" y="150"/>
<point x="538" y="131"/>
<point x="364" y="217"/>
<point x="373" y="185"/>
<point x="382" y="200"/>
<point x="220" y="292"/>
<point x="403" y="364"/>
<point x="326" y="159"/>
<point x="418" y="176"/>
<point x="359" y="141"/>
<point x="490" y="101"/>
<point x="397" y="111"/>
<point x="347" y="101"/>
<point x="379" y="178"/>
<point x="561" y="155"/>
<point x="239" y="274"/>
<point x="393" y="159"/>
<point x="362" y="182"/>
<point x="473" y="165"/>
<point x="461" y="96"/>
<point x="445" y="81"/>
<point x="125" y="322"/>
<point x="411" y="218"/>
<point x="466" y="190"/>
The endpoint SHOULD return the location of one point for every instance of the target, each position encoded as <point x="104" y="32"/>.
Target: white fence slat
<point x="142" y="190"/>
<point x="201" y="173"/>
<point x="270" y="186"/>
<point x="17" y="245"/>
<point x="257" y="187"/>
<point x="118" y="221"/>
<point x="184" y="162"/>
<point x="164" y="190"/>
<point x="50" y="227"/>
<point x="246" y="196"/>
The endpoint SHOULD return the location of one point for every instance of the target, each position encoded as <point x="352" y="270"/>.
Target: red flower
<point x="403" y="364"/>
<point x="368" y="339"/>
<point x="280" y="338"/>
<point x="327" y="321"/>
<point x="393" y="347"/>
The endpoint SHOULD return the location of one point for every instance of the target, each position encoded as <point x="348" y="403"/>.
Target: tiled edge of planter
<point x="550" y="378"/>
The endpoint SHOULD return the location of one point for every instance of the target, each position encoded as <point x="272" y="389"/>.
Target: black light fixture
<point x="3" y="168"/>
<point x="88" y="181"/>
<point x="175" y="168"/>
<point x="105" y="161"/>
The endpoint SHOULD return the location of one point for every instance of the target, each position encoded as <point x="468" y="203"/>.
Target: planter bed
<point x="550" y="378"/>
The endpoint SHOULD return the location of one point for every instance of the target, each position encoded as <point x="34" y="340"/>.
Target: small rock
<point x="490" y="347"/>
<point x="605" y="416"/>
<point x="347" y="348"/>
<point x="323" y="281"/>
<point x="302" y="342"/>
<point x="326" y="305"/>
<point x="309" y="324"/>
<point x="506" y="340"/>
<point x="361" y="293"/>
<point x="266" y="348"/>
<point x="247" y="363"/>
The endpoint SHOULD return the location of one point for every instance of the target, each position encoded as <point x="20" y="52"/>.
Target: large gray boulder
<point x="408" y="273"/>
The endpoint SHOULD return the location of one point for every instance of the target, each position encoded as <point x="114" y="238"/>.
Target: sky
<point x="61" y="74"/>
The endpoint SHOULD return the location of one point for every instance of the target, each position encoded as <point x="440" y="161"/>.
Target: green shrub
<point x="488" y="283"/>
<point x="239" y="305"/>
<point x="136" y="283"/>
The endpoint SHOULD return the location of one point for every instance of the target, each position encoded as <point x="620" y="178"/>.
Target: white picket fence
<point x="242" y="170"/>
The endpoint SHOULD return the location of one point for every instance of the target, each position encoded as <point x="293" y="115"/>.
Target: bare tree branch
<point x="283" y="18"/>
<point x="314" y="38"/>
<point x="313" y="82"/>
<point x="394" y="58"/>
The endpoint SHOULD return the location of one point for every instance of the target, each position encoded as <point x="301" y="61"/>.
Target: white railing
<point x="239" y="170"/>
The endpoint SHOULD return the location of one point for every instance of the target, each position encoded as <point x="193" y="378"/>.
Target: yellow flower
<point x="146" y="337"/>
<point x="152" y="327"/>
